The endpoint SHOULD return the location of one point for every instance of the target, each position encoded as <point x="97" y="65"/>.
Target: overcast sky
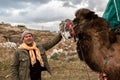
<point x="45" y="14"/>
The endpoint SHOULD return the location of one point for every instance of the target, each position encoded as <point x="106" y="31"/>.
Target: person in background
<point x="112" y="13"/>
<point x="30" y="58"/>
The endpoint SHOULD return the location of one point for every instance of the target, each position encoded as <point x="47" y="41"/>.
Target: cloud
<point x="37" y="13"/>
<point x="99" y="4"/>
<point x="20" y="3"/>
<point x="75" y="2"/>
<point x="68" y="4"/>
<point x="34" y="13"/>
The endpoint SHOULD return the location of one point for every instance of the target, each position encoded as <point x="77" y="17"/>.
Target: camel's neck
<point x="92" y="51"/>
<point x="93" y="43"/>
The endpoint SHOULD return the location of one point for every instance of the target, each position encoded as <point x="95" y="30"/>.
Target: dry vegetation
<point x="73" y="70"/>
<point x="61" y="69"/>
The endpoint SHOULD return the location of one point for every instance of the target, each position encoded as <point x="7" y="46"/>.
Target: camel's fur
<point x="96" y="44"/>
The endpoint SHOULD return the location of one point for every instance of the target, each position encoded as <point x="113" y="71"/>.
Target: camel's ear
<point x="91" y="15"/>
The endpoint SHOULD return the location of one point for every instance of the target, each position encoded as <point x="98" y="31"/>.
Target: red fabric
<point x="102" y="76"/>
<point x="71" y="28"/>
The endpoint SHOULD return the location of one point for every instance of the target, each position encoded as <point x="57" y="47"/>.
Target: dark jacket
<point x="21" y="62"/>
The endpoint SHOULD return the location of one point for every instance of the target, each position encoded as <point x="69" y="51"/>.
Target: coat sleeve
<point x="15" y="66"/>
<point x="51" y="43"/>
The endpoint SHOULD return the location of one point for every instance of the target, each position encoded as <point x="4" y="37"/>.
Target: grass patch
<point x="61" y="70"/>
<point x="73" y="70"/>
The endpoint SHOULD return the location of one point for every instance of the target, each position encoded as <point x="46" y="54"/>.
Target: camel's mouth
<point x="77" y="27"/>
<point x="76" y="22"/>
<point x="82" y="32"/>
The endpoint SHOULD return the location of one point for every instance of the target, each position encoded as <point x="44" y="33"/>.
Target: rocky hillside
<point x="13" y="33"/>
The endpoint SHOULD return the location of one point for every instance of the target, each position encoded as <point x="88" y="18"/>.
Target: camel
<point x="97" y="44"/>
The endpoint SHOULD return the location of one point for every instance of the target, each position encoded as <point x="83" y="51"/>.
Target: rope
<point x="85" y="66"/>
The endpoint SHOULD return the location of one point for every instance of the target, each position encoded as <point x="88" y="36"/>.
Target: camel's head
<point x="82" y="20"/>
<point x="80" y="24"/>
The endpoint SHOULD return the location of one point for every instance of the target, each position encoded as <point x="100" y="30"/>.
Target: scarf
<point x="32" y="54"/>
